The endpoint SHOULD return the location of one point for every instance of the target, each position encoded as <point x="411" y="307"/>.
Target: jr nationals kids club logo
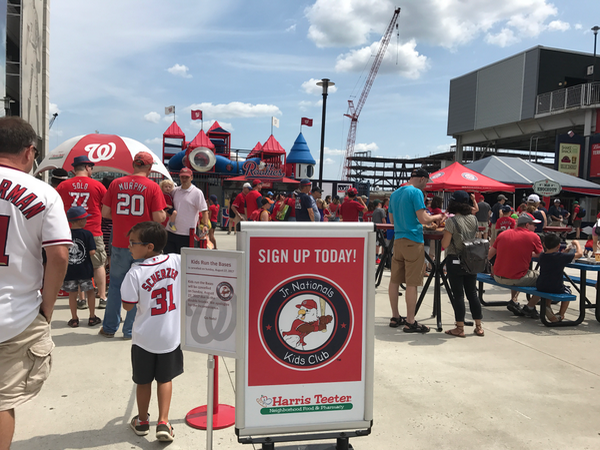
<point x="305" y="322"/>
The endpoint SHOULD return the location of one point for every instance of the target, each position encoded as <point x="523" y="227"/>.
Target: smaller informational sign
<point x="595" y="161"/>
<point x="212" y="288"/>
<point x="568" y="158"/>
<point x="342" y="188"/>
<point x="546" y="188"/>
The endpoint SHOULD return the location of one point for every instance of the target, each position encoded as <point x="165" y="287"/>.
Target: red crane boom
<point x="354" y="112"/>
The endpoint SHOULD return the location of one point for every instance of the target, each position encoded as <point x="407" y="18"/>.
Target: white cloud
<point x="55" y="133"/>
<point x="291" y="28"/>
<point x="333" y="151"/>
<point x="153" y="117"/>
<point x="54" y="109"/>
<point x="311" y="87"/>
<point x="372" y="147"/>
<point x="504" y="38"/>
<point x="578" y="26"/>
<point x="449" y="24"/>
<point x="558" y="25"/>
<point x="179" y="70"/>
<point x="403" y="60"/>
<point x="196" y="124"/>
<point x="329" y="161"/>
<point x="154" y="141"/>
<point x="236" y="109"/>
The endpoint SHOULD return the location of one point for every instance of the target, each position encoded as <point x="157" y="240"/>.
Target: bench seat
<point x="531" y="290"/>
<point x="577" y="280"/>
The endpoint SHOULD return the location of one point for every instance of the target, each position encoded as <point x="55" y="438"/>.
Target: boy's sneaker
<point x="139" y="427"/>
<point x="172" y="226"/>
<point x="102" y="303"/>
<point x="531" y="312"/>
<point x="515" y="308"/>
<point x="82" y="304"/>
<point x="164" y="432"/>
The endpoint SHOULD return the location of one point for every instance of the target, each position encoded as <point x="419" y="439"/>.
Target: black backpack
<point x="474" y="255"/>
<point x="581" y="212"/>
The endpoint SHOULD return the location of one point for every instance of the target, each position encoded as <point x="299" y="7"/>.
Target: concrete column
<point x="458" y="154"/>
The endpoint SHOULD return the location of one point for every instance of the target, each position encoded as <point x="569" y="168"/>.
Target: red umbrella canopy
<point x="457" y="177"/>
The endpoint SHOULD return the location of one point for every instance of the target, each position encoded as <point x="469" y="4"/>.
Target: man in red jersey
<point x="239" y="204"/>
<point x="129" y="200"/>
<point x="83" y="190"/>
<point x="350" y="209"/>
<point x="253" y="198"/>
<point x="513" y="250"/>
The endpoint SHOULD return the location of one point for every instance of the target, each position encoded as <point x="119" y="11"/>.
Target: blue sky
<point x="115" y="66"/>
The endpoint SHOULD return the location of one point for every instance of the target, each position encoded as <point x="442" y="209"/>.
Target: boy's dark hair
<point x="151" y="233"/>
<point x="264" y="201"/>
<point x="15" y="135"/>
<point x="437" y="202"/>
<point x="551" y="240"/>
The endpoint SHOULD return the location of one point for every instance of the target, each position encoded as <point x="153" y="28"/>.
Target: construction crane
<point x="354" y="112"/>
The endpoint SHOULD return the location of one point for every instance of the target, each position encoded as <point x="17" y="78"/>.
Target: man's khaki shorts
<point x="408" y="262"/>
<point x="25" y="363"/>
<point x="99" y="258"/>
<point x="528" y="279"/>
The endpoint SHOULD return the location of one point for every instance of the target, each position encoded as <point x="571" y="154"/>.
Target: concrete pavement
<point x="522" y="386"/>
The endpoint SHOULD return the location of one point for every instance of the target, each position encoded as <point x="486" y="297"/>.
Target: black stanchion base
<point x="337" y="446"/>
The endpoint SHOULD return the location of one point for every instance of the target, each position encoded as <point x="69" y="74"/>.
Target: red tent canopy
<point x="201" y="140"/>
<point x="174" y="132"/>
<point x="457" y="177"/>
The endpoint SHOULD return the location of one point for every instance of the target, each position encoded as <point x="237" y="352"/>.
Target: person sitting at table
<point x="552" y="266"/>
<point x="513" y="250"/>
<point x="505" y="222"/>
<point x="458" y="228"/>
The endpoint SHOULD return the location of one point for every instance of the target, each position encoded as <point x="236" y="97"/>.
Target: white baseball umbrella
<point x="109" y="153"/>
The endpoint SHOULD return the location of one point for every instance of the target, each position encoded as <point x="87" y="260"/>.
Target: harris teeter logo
<point x="305" y="322"/>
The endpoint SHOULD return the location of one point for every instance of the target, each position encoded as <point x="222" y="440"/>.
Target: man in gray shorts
<point x="32" y="217"/>
<point x="513" y="250"/>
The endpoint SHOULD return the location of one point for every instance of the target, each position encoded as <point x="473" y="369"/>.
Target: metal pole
<point x="595" y="30"/>
<point x="325" y="82"/>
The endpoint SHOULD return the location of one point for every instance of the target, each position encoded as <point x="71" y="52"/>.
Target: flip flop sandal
<point x="395" y="322"/>
<point x="94" y="321"/>
<point x="478" y="331"/>
<point x="73" y="323"/>
<point x="458" y="332"/>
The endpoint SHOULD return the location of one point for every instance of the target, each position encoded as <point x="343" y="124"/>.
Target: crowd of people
<point x="516" y="236"/>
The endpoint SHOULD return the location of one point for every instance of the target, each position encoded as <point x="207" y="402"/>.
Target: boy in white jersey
<point x="154" y="287"/>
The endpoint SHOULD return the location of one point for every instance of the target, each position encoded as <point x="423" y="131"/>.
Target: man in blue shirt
<point x="304" y="209"/>
<point x="408" y="214"/>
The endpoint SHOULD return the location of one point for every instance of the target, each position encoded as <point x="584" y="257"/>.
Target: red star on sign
<point x="269" y="327"/>
<point x="344" y="325"/>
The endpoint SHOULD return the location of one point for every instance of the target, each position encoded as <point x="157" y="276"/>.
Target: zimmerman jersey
<point x="32" y="216"/>
<point x="154" y="286"/>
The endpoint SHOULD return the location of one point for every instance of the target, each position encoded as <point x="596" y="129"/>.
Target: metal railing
<point x="572" y="97"/>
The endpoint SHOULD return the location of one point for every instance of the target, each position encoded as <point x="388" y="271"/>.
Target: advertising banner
<point x="212" y="288"/>
<point x="307" y="362"/>
<point x="568" y="158"/>
<point x="595" y="157"/>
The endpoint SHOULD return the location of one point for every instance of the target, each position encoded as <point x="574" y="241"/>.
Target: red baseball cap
<point x="255" y="182"/>
<point x="143" y="159"/>
<point x="186" y="171"/>
<point x="308" y="304"/>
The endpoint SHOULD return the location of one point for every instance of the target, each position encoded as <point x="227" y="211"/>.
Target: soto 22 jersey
<point x="155" y="287"/>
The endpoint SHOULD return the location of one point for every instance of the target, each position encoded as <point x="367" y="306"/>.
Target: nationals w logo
<point x="101" y="152"/>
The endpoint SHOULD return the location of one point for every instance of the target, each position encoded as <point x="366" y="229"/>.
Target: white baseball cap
<point x="533" y="198"/>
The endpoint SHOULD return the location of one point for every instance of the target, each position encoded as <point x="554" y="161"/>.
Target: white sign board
<point x="212" y="288"/>
<point x="307" y="363"/>
<point x="546" y="188"/>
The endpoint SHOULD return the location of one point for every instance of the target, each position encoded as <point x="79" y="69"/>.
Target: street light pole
<point x="595" y="30"/>
<point x="325" y="83"/>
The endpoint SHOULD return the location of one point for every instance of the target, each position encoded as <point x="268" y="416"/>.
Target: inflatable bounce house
<point x="209" y="155"/>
